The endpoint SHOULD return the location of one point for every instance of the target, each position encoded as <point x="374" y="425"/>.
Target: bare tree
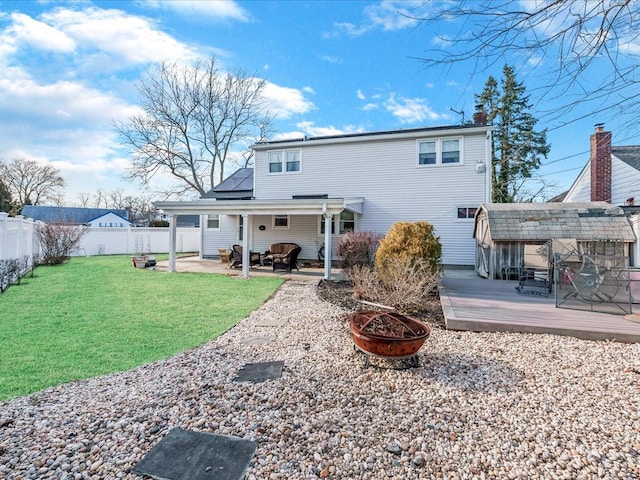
<point x="30" y="182"/>
<point x="193" y="120"/>
<point x="84" y="199"/>
<point x="101" y="199"/>
<point x="591" y="46"/>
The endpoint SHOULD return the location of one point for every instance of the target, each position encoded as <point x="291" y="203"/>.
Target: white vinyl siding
<point x="384" y="173"/>
<point x="224" y="237"/>
<point x="213" y="222"/>
<point x="625" y="183"/>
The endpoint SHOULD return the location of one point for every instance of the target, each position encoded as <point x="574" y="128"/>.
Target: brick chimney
<point x="600" y="165"/>
<point x="480" y="115"/>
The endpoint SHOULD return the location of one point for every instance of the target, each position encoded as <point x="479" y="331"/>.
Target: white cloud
<point x="360" y="95"/>
<point x="286" y="101"/>
<point x="125" y="39"/>
<point x="26" y="30"/>
<point x="330" y="59"/>
<point x="410" y="110"/>
<point x="309" y="90"/>
<point x="311" y="129"/>
<point x="219" y="9"/>
<point x="388" y="15"/>
<point x="370" y="106"/>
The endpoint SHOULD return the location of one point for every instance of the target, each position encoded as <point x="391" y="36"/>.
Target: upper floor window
<point x="285" y="161"/>
<point x="427" y="153"/>
<point x="440" y="152"/>
<point x="213" y="222"/>
<point x="467" y="212"/>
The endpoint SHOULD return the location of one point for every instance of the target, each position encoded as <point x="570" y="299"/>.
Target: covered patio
<point x="327" y="208"/>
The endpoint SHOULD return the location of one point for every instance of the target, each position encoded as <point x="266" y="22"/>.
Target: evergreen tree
<point x="5" y="198"/>
<point x="517" y="146"/>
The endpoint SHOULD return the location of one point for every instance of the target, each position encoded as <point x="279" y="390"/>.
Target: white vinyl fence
<point x="135" y="240"/>
<point x="18" y="239"/>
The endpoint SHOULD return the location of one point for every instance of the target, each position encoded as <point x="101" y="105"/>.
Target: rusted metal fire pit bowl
<point x="388" y="334"/>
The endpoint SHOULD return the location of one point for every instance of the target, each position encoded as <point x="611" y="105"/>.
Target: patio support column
<point x="172" y="242"/>
<point x="245" y="245"/>
<point x="328" y="226"/>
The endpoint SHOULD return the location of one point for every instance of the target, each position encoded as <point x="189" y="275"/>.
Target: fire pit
<point x="388" y="335"/>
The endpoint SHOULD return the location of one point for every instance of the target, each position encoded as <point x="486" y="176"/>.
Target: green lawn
<point x="99" y="315"/>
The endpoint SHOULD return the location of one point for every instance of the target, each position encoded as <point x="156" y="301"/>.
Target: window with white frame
<point x="440" y="152"/>
<point x="346" y="222"/>
<point x="280" y="222"/>
<point x="427" y="153"/>
<point x="467" y="212"/>
<point x="213" y="222"/>
<point x="285" y="161"/>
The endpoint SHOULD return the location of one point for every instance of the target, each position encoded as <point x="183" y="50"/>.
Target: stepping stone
<point x="260" y="372"/>
<point x="259" y="340"/>
<point x="187" y="455"/>
<point x="274" y="322"/>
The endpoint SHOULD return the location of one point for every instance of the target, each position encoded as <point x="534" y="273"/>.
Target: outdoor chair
<point x="276" y="250"/>
<point x="236" y="257"/>
<point x="287" y="261"/>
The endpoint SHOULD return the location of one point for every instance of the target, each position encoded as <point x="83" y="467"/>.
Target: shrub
<point x="408" y="284"/>
<point x="415" y="242"/>
<point x="58" y="242"/>
<point x="357" y="248"/>
<point x="12" y="270"/>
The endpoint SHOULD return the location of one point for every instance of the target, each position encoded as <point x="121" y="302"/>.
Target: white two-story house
<point x="360" y="182"/>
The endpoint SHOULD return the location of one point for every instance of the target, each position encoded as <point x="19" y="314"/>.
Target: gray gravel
<point x="479" y="406"/>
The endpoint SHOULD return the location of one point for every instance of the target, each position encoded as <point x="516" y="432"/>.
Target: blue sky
<point x="68" y="70"/>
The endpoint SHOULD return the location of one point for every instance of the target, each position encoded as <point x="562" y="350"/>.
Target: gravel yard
<point x="479" y="406"/>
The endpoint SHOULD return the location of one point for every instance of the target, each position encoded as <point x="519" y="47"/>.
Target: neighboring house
<point x="94" y="217"/>
<point x="505" y="232"/>
<point x="361" y="182"/>
<point x="185" y="221"/>
<point x="612" y="175"/>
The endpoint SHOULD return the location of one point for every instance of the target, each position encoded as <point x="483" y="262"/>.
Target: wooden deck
<point x="472" y="303"/>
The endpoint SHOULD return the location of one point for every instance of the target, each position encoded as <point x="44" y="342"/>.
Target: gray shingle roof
<point x="585" y="221"/>
<point x="629" y="155"/>
<point x="68" y="215"/>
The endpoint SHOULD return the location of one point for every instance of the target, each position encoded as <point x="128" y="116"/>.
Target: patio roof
<point x="305" y="206"/>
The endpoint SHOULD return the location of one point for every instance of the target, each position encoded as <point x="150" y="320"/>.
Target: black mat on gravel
<point x="260" y="372"/>
<point x="186" y="455"/>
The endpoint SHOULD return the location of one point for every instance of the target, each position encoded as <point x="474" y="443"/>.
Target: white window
<point x="346" y="222"/>
<point x="275" y="162"/>
<point x="467" y="212"/>
<point x="440" y="152"/>
<point x="285" y="161"/>
<point x="280" y="222"/>
<point x="451" y="151"/>
<point x="213" y="222"/>
<point x="427" y="153"/>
